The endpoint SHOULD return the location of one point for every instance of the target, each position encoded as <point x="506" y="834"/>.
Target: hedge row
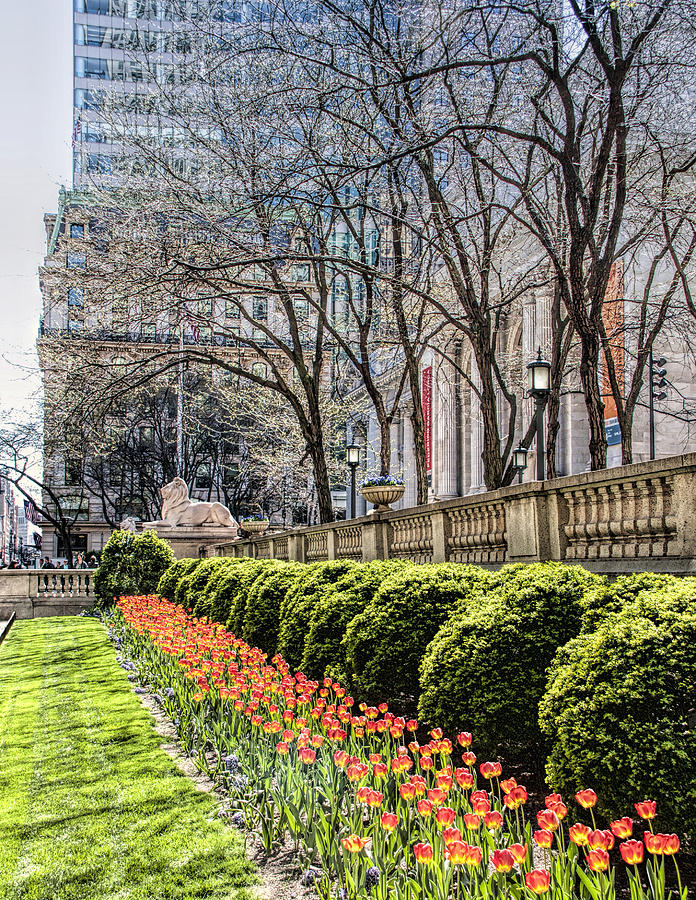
<point x="542" y="660"/>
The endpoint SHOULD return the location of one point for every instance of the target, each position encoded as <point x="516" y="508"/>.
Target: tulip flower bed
<point x="372" y="812"/>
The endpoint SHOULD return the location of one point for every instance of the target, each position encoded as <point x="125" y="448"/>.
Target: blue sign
<point x="612" y="430"/>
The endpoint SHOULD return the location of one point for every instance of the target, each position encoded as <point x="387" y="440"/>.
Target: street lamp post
<point x="353" y="460"/>
<point x="519" y="459"/>
<point x="539" y="387"/>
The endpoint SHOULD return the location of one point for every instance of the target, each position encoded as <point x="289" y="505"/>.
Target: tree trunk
<point x="490" y="455"/>
<point x="594" y="404"/>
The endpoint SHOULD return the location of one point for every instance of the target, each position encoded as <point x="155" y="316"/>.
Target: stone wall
<point x="631" y="518"/>
<point x="32" y="593"/>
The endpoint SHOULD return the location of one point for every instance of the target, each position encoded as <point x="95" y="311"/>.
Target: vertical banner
<point x="427" y="401"/>
<point x="613" y="317"/>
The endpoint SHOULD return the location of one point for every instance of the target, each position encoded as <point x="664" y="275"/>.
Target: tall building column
<point x="447" y="432"/>
<point x="411" y="492"/>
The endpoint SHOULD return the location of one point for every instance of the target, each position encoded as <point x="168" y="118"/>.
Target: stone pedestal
<point x="187" y="540"/>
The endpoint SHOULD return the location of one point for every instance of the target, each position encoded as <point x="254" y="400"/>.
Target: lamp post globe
<point x="353" y="460"/>
<point x="539" y="387"/>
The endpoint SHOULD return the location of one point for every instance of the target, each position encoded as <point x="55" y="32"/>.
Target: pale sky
<point x="35" y="159"/>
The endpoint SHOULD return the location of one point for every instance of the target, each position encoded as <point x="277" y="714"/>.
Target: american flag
<point x="77" y="130"/>
<point x="31" y="512"/>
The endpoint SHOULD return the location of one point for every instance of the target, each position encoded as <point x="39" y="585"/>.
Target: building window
<point x="205" y="308"/>
<point x="76" y="260"/>
<point x="260" y="309"/>
<point x="302" y="308"/>
<point x="259" y="369"/>
<point x="230" y="474"/>
<point x="73" y="472"/>
<point x="77" y="231"/>
<point x="231" y="309"/>
<point x="300" y="272"/>
<point x="202" y="481"/>
<point x="76" y="298"/>
<point x="149" y="331"/>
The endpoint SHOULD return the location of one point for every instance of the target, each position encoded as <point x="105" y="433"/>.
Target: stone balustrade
<point x="32" y="593"/>
<point x="640" y="517"/>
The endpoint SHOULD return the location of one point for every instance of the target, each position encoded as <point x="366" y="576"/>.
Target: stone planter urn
<point x="255" y="526"/>
<point x="381" y="495"/>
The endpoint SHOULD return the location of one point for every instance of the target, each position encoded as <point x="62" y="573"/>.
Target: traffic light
<point x="657" y="379"/>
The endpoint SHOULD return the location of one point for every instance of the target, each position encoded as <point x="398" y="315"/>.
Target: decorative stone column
<point x="411" y="492"/>
<point x="447" y="432"/>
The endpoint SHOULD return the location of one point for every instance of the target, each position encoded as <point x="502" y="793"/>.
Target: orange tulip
<point x="473" y="855"/>
<point x="424" y="807"/>
<point x="543" y="838"/>
<point x="508" y="784"/>
<point x="600" y="839"/>
<point x="354" y="843"/>
<point x="493" y="820"/>
<point x="646" y="809"/>
<point x="671" y="844"/>
<point x="389" y="821"/>
<point x="586" y="798"/>
<point x="552" y="800"/>
<point x="598" y="860"/>
<point x="283" y="748"/>
<point x="423" y="853"/>
<point x="547" y="819"/>
<point x="469" y="758"/>
<point x="379" y="770"/>
<point x="491" y="769"/>
<point x="516" y="797"/>
<point x="437" y="796"/>
<point x="464" y="739"/>
<point x="307" y="755"/>
<point x="503" y="860"/>
<point x="622" y="828"/>
<point x="472" y="821"/>
<point x="464" y="778"/>
<point x="560" y="809"/>
<point x="445" y="816"/>
<point x="451" y="834"/>
<point x="457" y="852"/>
<point x="407" y="791"/>
<point x="538" y="881"/>
<point x="579" y="834"/>
<point x="654" y="843"/>
<point x="519" y="852"/>
<point x="632" y="852"/>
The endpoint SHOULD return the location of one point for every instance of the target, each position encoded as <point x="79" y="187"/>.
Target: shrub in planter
<point x="324" y="652"/>
<point x="262" y="613"/>
<point x="234" y="604"/>
<point x="299" y="603"/>
<point x="485" y="668"/>
<point x="173" y="575"/>
<point x="385" y="643"/>
<point x="619" y="710"/>
<point x="130" y="564"/>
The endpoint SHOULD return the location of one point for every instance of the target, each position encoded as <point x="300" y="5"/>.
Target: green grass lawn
<point x="90" y="806"/>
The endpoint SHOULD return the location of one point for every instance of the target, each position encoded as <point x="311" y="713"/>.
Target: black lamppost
<point x="353" y="460"/>
<point x="519" y="459"/>
<point x="539" y="387"/>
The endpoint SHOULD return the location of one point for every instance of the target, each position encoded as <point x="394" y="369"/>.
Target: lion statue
<point x="179" y="509"/>
<point x="128" y="524"/>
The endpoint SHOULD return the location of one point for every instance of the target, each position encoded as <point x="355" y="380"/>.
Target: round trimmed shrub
<point x="299" y="603"/>
<point x="170" y="579"/>
<point x="191" y="590"/>
<point x="620" y="709"/>
<point x="230" y="603"/>
<point x="207" y="601"/>
<point x="262" y="615"/>
<point x="612" y="598"/>
<point x="385" y="643"/>
<point x="485" y="668"/>
<point x="130" y="563"/>
<point x="324" y="651"/>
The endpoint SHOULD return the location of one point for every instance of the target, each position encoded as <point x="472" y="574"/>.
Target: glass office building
<point x="121" y="49"/>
